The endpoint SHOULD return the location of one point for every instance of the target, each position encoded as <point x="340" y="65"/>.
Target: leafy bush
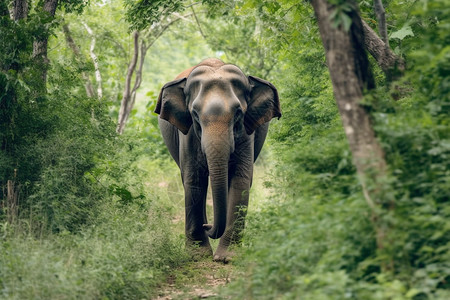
<point x="59" y="139"/>
<point x="124" y="256"/>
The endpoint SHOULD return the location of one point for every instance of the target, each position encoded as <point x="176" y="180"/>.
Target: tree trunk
<point x="20" y="9"/>
<point x="11" y="201"/>
<point x="350" y="75"/>
<point x="40" y="44"/>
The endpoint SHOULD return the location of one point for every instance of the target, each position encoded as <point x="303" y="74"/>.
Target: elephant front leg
<point x="197" y="242"/>
<point x="237" y="209"/>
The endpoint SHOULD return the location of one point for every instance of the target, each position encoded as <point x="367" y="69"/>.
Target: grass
<point x="126" y="257"/>
<point x="126" y="253"/>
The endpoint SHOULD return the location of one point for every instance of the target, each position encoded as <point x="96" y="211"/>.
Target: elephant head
<point x="219" y="104"/>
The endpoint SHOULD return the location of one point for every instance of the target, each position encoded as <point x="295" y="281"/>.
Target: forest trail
<point x="196" y="280"/>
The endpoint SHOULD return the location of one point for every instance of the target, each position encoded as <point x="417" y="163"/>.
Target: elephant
<point x="214" y="120"/>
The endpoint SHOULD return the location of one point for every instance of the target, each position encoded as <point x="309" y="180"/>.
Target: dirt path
<point x="197" y="280"/>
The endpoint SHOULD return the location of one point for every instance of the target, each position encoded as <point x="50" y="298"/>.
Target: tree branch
<point x="77" y="53"/>
<point x="198" y="23"/>
<point x="386" y="59"/>
<point x="162" y="29"/>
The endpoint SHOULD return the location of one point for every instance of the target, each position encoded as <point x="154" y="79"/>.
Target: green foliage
<point x="74" y="6"/>
<point x="50" y="144"/>
<point x="142" y="14"/>
<point x="402" y="33"/>
<point x="124" y="256"/>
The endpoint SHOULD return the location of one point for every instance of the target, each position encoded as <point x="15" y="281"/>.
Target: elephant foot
<point x="199" y="250"/>
<point x="223" y="255"/>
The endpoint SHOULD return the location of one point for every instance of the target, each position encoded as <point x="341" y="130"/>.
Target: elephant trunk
<point x="218" y="155"/>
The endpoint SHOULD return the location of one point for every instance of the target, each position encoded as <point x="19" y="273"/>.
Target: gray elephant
<point x="214" y="121"/>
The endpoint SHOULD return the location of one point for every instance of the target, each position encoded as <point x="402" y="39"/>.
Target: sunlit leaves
<point x="142" y="14"/>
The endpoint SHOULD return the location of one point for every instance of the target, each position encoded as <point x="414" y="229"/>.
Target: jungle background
<point x="91" y="204"/>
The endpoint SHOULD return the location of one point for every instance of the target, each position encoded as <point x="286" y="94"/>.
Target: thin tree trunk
<point x="40" y="44"/>
<point x="137" y="81"/>
<point x="351" y="76"/>
<point x="98" y="75"/>
<point x="381" y="18"/>
<point x="392" y="65"/>
<point x="127" y="90"/>
<point x="76" y="50"/>
<point x="12" y="201"/>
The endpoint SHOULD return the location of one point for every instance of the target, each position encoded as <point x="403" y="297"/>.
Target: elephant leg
<point x="194" y="174"/>
<point x="197" y="241"/>
<point x="237" y="209"/>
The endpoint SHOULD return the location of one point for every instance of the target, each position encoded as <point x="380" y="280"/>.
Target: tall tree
<point x="351" y="77"/>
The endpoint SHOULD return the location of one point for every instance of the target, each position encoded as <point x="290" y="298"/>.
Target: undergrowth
<point x="126" y="255"/>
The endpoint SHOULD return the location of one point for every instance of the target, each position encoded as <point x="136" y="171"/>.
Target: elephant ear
<point x="172" y="106"/>
<point x="263" y="104"/>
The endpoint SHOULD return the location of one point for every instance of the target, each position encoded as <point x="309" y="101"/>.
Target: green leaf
<point x="402" y="33"/>
<point x="411" y="293"/>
